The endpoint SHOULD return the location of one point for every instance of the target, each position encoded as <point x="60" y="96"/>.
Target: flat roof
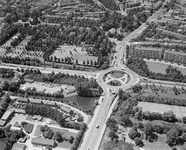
<point x="38" y="101"/>
<point x="64" y="108"/>
<point x="19" y="146"/>
<point x="148" y="48"/>
<point x="2" y="122"/>
<point x="176" y="53"/>
<point x="22" y="99"/>
<point x="42" y="141"/>
<point x="7" y="114"/>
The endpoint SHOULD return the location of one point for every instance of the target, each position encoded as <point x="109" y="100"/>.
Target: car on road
<point x="97" y="126"/>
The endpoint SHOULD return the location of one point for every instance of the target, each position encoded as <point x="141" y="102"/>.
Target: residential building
<point x="146" y="52"/>
<point x="173" y="56"/>
<point x="22" y="99"/>
<point x="48" y="134"/>
<point x="29" y="80"/>
<point x="2" y="123"/>
<point x="35" y="101"/>
<point x="7" y="115"/>
<point x="18" y="146"/>
<point x="42" y="142"/>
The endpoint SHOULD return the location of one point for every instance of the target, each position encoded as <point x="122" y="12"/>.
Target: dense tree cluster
<point x="10" y="136"/>
<point x="155" y="99"/>
<point x="4" y="102"/>
<point x="115" y="20"/>
<point x="110" y="4"/>
<point x="79" y="136"/>
<point x="110" y="145"/>
<point x="53" y="113"/>
<point x="23" y="61"/>
<point x="6" y="34"/>
<point x="6" y="73"/>
<point x="166" y="116"/>
<point x="13" y="86"/>
<point x="140" y="67"/>
<point x="88" y="88"/>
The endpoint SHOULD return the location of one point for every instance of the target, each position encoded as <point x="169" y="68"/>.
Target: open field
<point x="85" y="58"/>
<point x="179" y="111"/>
<point x="160" y="68"/>
<point x="166" y="92"/>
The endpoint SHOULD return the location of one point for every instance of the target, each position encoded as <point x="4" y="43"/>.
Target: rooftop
<point x="176" y="53"/>
<point x="2" y="123"/>
<point x="148" y="48"/>
<point x="42" y="141"/>
<point x="7" y="114"/>
<point x="18" y="146"/>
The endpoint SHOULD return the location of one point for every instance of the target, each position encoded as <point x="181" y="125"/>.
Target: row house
<point x="146" y="52"/>
<point x="173" y="56"/>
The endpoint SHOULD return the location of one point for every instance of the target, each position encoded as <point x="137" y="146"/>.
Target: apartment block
<point x="146" y="52"/>
<point x="174" y="56"/>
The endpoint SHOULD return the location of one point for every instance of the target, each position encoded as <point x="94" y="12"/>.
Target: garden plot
<point x="179" y="111"/>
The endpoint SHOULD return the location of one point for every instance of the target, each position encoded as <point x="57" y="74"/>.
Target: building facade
<point x="174" y="56"/>
<point x="146" y="52"/>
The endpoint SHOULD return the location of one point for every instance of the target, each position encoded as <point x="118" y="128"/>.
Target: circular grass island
<point x="117" y="74"/>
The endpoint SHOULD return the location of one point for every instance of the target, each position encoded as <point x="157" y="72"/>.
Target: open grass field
<point x="166" y="92"/>
<point x="179" y="111"/>
<point x="117" y="74"/>
<point x="160" y="68"/>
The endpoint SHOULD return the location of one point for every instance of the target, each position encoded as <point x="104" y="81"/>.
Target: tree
<point x="184" y="119"/>
<point x="172" y="136"/>
<point x="112" y="135"/>
<point x="169" y="116"/>
<point x="133" y="133"/>
<point x="138" y="142"/>
<point x="71" y="139"/>
<point x="58" y="137"/>
<point x="125" y="120"/>
<point x="148" y="129"/>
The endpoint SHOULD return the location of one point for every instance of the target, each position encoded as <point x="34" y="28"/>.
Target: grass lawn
<point x="117" y="74"/>
<point x="65" y="133"/>
<point x="179" y="111"/>
<point x="160" y="68"/>
<point x="169" y="92"/>
<point x="83" y="57"/>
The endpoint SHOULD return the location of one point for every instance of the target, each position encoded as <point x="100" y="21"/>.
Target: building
<point x="7" y="115"/>
<point x="146" y="52"/>
<point x="2" y="123"/>
<point x="65" y="109"/>
<point x="174" y="56"/>
<point x="22" y="100"/>
<point x="37" y="117"/>
<point x="35" y="101"/>
<point x="50" y="103"/>
<point x="18" y="146"/>
<point x="42" y="142"/>
<point x="29" y="80"/>
<point x="48" y="134"/>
